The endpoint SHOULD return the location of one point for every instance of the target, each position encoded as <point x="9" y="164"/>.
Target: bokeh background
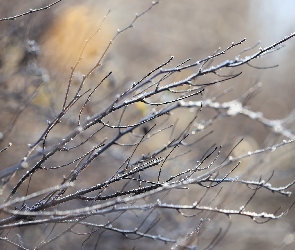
<point x="42" y="47"/>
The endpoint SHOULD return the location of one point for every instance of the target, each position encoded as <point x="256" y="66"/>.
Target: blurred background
<point x="37" y="52"/>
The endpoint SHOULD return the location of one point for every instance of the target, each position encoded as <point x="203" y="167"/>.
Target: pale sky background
<point x="276" y="18"/>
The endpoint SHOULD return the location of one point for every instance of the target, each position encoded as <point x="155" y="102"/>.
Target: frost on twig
<point x="30" y="11"/>
<point x="157" y="170"/>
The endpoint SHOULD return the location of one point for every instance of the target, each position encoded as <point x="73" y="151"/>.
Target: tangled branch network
<point x="142" y="182"/>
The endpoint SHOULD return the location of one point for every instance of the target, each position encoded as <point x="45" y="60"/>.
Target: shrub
<point x="126" y="163"/>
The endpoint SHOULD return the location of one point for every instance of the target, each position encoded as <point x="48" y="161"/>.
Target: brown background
<point x="185" y="29"/>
